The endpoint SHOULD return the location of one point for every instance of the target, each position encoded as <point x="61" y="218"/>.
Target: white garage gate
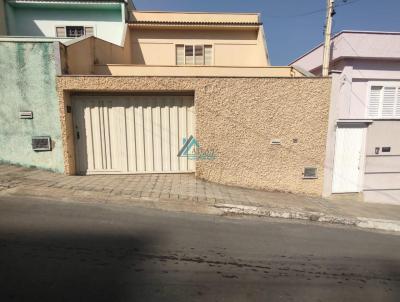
<point x="132" y="134"/>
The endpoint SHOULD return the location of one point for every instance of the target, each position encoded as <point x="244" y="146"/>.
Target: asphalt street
<point x="75" y="251"/>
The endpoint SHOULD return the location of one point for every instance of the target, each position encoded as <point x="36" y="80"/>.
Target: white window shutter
<point x="397" y="110"/>
<point x="89" y="31"/>
<point x="388" y="102"/>
<point x="60" y="31"/>
<point x="374" y="101"/>
<point x="180" y="55"/>
<point x="208" y="57"/>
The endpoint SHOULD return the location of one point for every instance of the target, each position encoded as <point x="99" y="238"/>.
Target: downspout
<point x="292" y="73"/>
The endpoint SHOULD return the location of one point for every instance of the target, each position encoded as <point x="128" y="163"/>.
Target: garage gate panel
<point x="132" y="134"/>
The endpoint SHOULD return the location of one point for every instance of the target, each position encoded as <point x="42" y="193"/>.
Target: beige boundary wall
<point x="237" y="118"/>
<point x="196" y="71"/>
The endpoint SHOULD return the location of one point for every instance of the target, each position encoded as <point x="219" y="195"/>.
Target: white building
<point x="363" y="152"/>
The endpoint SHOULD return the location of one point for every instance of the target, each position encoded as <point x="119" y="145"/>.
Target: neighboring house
<point x="363" y="152"/>
<point x="65" y="19"/>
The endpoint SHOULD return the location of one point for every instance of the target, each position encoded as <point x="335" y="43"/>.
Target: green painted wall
<point x="27" y="83"/>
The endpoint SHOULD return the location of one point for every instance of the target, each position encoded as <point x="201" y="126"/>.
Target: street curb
<point x="379" y="224"/>
<point x="216" y="208"/>
<point x="361" y="222"/>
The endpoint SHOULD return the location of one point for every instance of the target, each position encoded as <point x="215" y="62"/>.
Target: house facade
<point x="178" y="78"/>
<point x="211" y="39"/>
<point x="65" y="19"/>
<point x="363" y="153"/>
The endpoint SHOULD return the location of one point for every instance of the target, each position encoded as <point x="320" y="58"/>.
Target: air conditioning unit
<point x="41" y="143"/>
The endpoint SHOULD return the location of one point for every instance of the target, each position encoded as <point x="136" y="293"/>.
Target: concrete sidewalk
<point x="183" y="192"/>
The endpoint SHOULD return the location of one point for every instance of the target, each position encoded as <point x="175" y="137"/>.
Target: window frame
<point x="203" y="46"/>
<point x="74" y="25"/>
<point x="394" y="83"/>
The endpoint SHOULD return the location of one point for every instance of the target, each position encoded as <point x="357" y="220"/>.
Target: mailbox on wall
<point x="26" y="115"/>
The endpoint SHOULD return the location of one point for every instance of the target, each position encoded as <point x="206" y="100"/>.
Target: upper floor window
<point x="73" y="31"/>
<point x="193" y="54"/>
<point x="384" y="101"/>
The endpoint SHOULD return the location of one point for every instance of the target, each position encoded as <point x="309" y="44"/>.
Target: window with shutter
<point x="180" y="55"/>
<point x="75" y="31"/>
<point x="60" y="31"/>
<point x="384" y="102"/>
<point x="193" y="54"/>
<point x="89" y="31"/>
<point x="208" y="54"/>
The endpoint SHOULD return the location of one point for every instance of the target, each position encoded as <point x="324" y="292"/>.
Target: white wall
<point x="353" y="44"/>
<point x="352" y="98"/>
<point x="108" y="24"/>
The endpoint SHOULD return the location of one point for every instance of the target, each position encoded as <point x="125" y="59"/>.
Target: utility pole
<point x="328" y="30"/>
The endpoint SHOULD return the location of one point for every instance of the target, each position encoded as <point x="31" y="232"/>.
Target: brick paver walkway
<point x="164" y="186"/>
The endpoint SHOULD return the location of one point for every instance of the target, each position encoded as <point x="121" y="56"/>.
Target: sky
<point x="295" y="26"/>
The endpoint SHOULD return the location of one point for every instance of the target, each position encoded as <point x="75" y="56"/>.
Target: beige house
<point x="171" y="43"/>
<point x="192" y="93"/>
<point x="164" y="38"/>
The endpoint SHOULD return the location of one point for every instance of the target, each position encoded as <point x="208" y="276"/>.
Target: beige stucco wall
<point x="231" y="47"/>
<point x="81" y="56"/>
<point x="237" y="118"/>
<point x="196" y="71"/>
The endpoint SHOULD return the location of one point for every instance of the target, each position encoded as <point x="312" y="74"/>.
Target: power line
<point x="348" y="2"/>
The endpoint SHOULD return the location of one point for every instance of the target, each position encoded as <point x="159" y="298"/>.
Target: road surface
<point x="73" y="251"/>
